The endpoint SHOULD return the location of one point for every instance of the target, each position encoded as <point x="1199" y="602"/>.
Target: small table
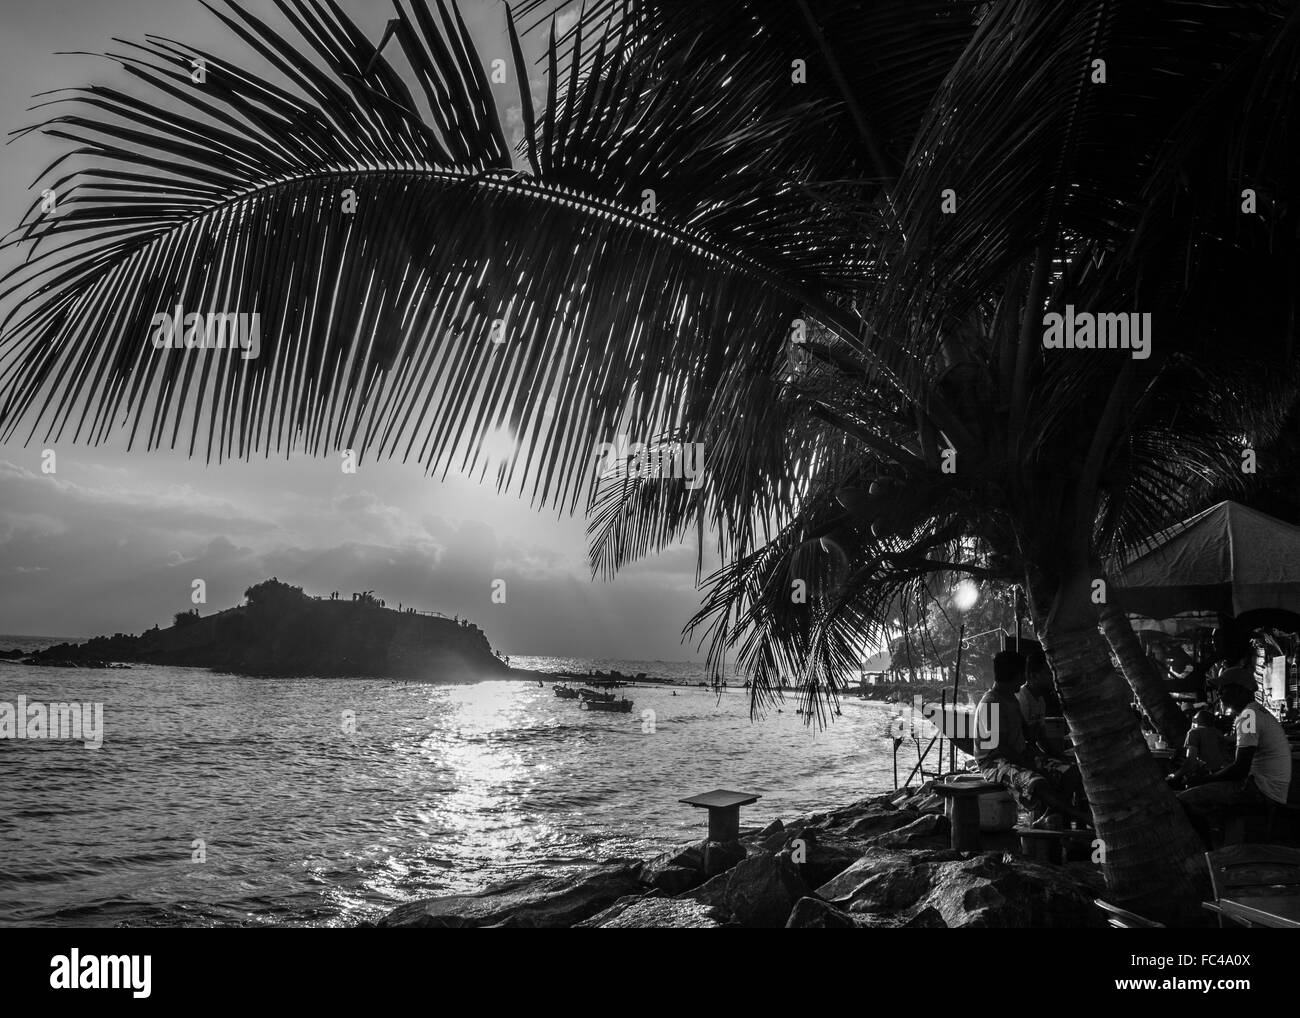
<point x="724" y="811"/>
<point x="1045" y="845"/>
<point x="962" y="807"/>
<point x="1279" y="911"/>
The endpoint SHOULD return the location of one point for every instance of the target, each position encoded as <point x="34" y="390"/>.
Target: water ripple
<point x="220" y="800"/>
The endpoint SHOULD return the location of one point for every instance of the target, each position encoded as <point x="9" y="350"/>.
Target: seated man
<point x="1033" y="703"/>
<point x="1259" y="774"/>
<point x="1180" y="665"/>
<point x="1204" y="750"/>
<point x="1005" y="754"/>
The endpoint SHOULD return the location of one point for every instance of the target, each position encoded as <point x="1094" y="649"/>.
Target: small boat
<point x="623" y="706"/>
<point x="593" y="695"/>
<point x="565" y="693"/>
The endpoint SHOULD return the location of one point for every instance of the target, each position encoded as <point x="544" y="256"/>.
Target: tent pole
<point x="956" y="685"/>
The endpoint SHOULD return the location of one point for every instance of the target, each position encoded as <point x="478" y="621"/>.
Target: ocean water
<point x="220" y="800"/>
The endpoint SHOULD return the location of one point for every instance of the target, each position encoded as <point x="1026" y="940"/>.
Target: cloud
<point x="174" y="509"/>
<point x="88" y="552"/>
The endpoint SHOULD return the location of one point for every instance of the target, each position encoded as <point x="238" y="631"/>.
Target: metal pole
<point x="956" y="684"/>
<point x="919" y="758"/>
<point x="943" y="717"/>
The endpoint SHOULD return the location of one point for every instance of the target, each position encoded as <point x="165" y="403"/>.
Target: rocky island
<point x="281" y="631"/>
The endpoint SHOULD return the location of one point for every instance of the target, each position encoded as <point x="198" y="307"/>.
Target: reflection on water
<point x="438" y="789"/>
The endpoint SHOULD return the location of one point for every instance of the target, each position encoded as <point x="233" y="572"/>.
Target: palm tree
<point x="1091" y="212"/>
<point x="681" y="202"/>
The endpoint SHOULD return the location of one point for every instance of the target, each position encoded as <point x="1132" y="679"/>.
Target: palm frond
<point x="460" y="297"/>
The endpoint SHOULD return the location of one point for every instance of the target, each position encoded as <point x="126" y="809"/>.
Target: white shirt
<point x="1033" y="708"/>
<point x="1271" y="767"/>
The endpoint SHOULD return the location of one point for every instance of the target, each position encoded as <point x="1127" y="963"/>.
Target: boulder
<point x="651" y="911"/>
<point x="815" y="914"/>
<point x="875" y="811"/>
<point x="957" y="889"/>
<point x="926" y="918"/>
<point x="680" y="869"/>
<point x="774" y="827"/>
<point x="761" y="890"/>
<point x="712" y="892"/>
<point x="868" y="921"/>
<point x="539" y="902"/>
<point x="879" y="822"/>
<point x="617" y="908"/>
<point x="677" y="870"/>
<point x="720" y="856"/>
<point x="926" y="831"/>
<point x="771" y="838"/>
<point x="883" y="881"/>
<point x="832" y="842"/>
<point x="927" y="804"/>
<point x="827" y="856"/>
<point x="988" y="891"/>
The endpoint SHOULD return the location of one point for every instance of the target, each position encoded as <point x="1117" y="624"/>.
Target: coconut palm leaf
<point x="880" y="63"/>
<point x="810" y="603"/>
<point x="1046" y="131"/>
<point x="460" y="296"/>
<point x="770" y="202"/>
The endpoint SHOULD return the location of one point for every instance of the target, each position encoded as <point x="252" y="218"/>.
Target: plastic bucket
<point x="998" y="810"/>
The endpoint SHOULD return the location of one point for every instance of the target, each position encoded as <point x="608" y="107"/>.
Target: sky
<point x="112" y="540"/>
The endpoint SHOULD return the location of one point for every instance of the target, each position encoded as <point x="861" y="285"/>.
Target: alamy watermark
<point x="83" y="721"/>
<point x="215" y="330"/>
<point x="75" y="971"/>
<point x="663" y="459"/>
<point x="1083" y="330"/>
<point x="922" y="720"/>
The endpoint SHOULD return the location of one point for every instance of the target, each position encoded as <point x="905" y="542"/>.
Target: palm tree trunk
<point x="1148" y="686"/>
<point x="1151" y="858"/>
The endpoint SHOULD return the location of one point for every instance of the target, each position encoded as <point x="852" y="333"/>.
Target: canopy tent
<point x="1175" y="626"/>
<point x="1227" y="559"/>
<point x="878" y="662"/>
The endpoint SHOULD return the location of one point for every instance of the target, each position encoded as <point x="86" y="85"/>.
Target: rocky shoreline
<point x="881" y="862"/>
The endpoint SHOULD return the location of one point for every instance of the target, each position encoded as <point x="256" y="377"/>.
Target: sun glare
<point x="965" y="595"/>
<point x="499" y="445"/>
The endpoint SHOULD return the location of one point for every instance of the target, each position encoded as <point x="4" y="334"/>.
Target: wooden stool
<point x="962" y="807"/>
<point x="1042" y="844"/>
<point x="724" y="811"/>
